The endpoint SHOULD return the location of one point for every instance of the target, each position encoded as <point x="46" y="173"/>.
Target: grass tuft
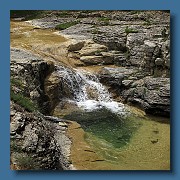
<point x="23" y="101"/>
<point x="130" y="30"/>
<point x="17" y="82"/>
<point x="105" y="20"/>
<point x="66" y="25"/>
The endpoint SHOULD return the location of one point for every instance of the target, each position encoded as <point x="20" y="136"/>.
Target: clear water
<point x="120" y="138"/>
<point x="119" y="143"/>
<point x="107" y="125"/>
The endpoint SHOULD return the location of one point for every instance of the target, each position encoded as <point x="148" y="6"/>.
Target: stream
<point x="106" y="134"/>
<point x="115" y="136"/>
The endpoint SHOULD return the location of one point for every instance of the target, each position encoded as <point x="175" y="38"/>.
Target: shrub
<point x="27" y="14"/>
<point x="130" y="30"/>
<point x="16" y="82"/>
<point x="63" y="14"/>
<point x="95" y="31"/>
<point x="23" y="101"/>
<point x="165" y="34"/>
<point x="127" y="54"/>
<point x="105" y="20"/>
<point x="66" y="25"/>
<point x="132" y="12"/>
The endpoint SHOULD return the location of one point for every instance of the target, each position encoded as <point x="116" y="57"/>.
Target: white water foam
<point x="80" y="82"/>
<point x="90" y="105"/>
<point x="103" y="100"/>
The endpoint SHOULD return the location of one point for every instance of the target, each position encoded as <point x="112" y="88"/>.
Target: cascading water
<point x="73" y="81"/>
<point x="88" y="93"/>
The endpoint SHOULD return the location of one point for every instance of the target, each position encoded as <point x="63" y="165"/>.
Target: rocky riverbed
<point x="127" y="51"/>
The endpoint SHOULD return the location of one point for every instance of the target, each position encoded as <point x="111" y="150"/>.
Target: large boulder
<point x="151" y="94"/>
<point x="114" y="76"/>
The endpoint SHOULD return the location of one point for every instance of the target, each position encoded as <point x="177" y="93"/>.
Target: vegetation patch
<point x="63" y="14"/>
<point x="165" y="34"/>
<point x="26" y="14"/>
<point x="105" y="20"/>
<point x="127" y="54"/>
<point x="95" y="31"/>
<point x="134" y="12"/>
<point x="17" y="83"/>
<point x="23" y="101"/>
<point x="66" y="25"/>
<point x="130" y="30"/>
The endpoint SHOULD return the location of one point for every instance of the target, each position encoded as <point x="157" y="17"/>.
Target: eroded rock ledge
<point x="136" y="41"/>
<point x="38" y="141"/>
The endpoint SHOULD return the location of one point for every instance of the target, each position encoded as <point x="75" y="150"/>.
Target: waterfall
<point x="88" y="93"/>
<point x="73" y="81"/>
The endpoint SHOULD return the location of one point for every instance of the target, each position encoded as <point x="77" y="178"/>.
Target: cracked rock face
<point x="27" y="68"/>
<point x="152" y="94"/>
<point x="34" y="137"/>
<point x="40" y="137"/>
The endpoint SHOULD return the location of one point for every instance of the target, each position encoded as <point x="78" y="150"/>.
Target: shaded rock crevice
<point x="37" y="141"/>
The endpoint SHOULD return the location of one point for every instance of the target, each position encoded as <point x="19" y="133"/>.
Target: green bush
<point x="130" y="30"/>
<point x="105" y="20"/>
<point x="17" y="82"/>
<point x="66" y="25"/>
<point x="95" y="31"/>
<point x="23" y="101"/>
<point x="27" y="14"/>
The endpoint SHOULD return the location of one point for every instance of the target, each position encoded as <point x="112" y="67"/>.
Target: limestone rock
<point x="31" y="71"/>
<point x="151" y="94"/>
<point x="76" y="45"/>
<point x="149" y="45"/>
<point x="91" y="49"/>
<point x="114" y="76"/>
<point x="92" y="60"/>
<point x="17" y="123"/>
<point x="30" y="138"/>
<point x="52" y="88"/>
<point x="40" y="139"/>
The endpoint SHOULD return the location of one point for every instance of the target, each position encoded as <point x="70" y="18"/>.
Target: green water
<point x="129" y="142"/>
<point x="102" y="123"/>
